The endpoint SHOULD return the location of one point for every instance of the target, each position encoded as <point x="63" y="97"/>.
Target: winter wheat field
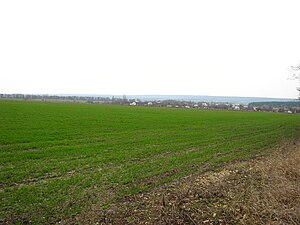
<point x="60" y="161"/>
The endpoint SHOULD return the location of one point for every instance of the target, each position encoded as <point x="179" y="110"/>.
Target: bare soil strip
<point x="263" y="190"/>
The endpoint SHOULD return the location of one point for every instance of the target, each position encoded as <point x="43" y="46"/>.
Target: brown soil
<point x="264" y="190"/>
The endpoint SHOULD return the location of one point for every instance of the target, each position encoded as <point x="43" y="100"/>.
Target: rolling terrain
<point x="59" y="160"/>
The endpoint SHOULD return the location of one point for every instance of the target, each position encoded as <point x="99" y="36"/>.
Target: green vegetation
<point x="59" y="159"/>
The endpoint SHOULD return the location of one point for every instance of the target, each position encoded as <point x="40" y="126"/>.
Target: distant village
<point x="277" y="107"/>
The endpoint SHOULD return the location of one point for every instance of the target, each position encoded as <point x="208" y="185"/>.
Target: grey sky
<point x="236" y="48"/>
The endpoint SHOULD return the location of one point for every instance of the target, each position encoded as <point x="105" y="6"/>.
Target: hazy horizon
<point x="107" y="94"/>
<point x="193" y="98"/>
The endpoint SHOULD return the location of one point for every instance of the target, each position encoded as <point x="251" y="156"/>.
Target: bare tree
<point x="295" y="70"/>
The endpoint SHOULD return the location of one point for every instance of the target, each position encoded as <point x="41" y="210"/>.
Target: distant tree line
<point x="54" y="97"/>
<point x="295" y="104"/>
<point x="281" y="107"/>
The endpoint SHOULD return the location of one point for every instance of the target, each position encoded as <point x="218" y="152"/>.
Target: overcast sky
<point x="216" y="47"/>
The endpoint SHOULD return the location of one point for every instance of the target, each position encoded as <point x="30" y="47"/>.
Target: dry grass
<point x="264" y="190"/>
<point x="272" y="192"/>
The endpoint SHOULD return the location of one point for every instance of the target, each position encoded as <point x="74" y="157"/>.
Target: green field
<point x="59" y="159"/>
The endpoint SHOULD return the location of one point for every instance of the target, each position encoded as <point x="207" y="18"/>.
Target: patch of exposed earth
<point x="262" y="190"/>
